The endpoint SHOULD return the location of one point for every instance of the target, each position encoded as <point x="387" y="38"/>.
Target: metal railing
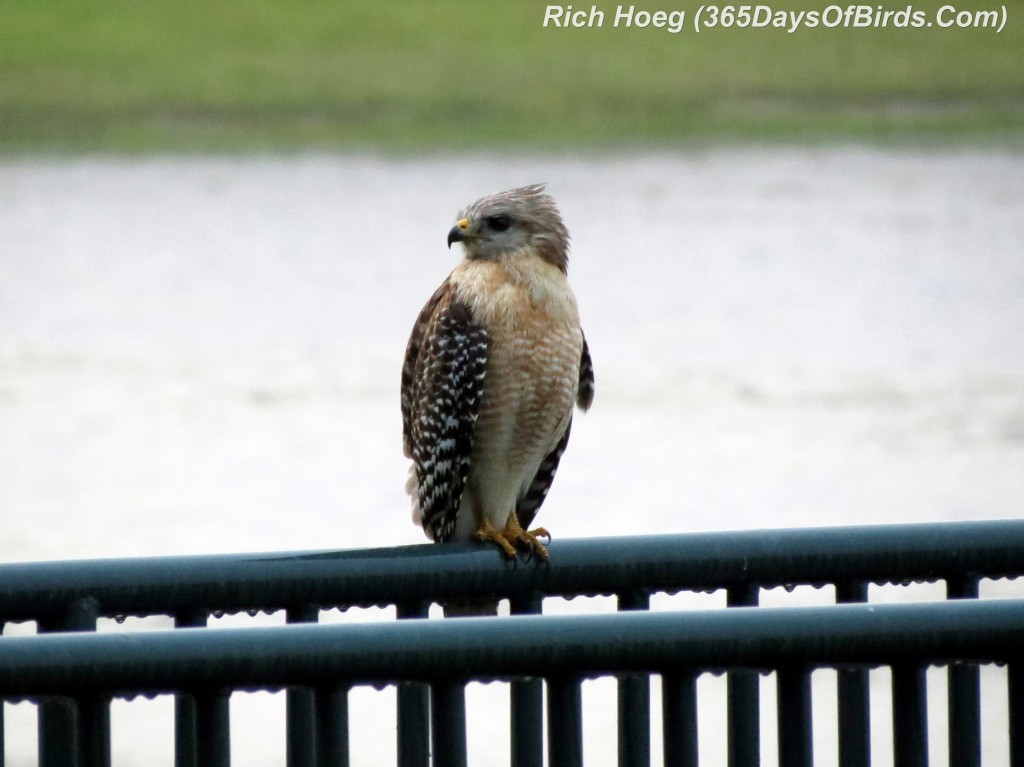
<point x="73" y="673"/>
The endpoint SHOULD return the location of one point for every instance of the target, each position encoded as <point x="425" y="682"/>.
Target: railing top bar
<point x="503" y="648"/>
<point x="700" y="561"/>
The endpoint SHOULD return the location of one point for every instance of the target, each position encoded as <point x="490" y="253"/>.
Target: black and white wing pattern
<point x="442" y="385"/>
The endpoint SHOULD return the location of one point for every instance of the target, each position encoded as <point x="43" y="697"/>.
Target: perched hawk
<point x="495" y="363"/>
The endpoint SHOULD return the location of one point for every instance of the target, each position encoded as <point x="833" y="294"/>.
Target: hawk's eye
<point x="499" y="223"/>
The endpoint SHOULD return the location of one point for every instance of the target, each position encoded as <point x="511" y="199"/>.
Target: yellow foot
<point x="488" y="534"/>
<point x="514" y="537"/>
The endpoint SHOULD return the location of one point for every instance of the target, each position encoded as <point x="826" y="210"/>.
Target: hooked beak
<point x="458" y="232"/>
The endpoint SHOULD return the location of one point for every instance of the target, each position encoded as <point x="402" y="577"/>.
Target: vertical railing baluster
<point x="58" y="733"/>
<point x="964" y="692"/>
<point x="213" y="728"/>
<point x="185" y="750"/>
<point x="62" y="737"/>
<point x="854" y="695"/>
<point x="332" y="748"/>
<point x="634" y="701"/>
<point x="448" y="723"/>
<point x="94" y="732"/>
<point x="795" y="725"/>
<point x="301" y="732"/>
<point x="526" y="703"/>
<point x="909" y="716"/>
<point x="679" y="719"/>
<point x="565" y="722"/>
<point x="185" y="747"/>
<point x="413" y="706"/>
<point x="744" y="709"/>
<point x="1015" y="694"/>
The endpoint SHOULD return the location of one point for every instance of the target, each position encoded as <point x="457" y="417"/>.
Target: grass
<point x="221" y="74"/>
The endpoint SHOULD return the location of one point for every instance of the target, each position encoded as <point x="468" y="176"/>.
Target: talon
<point x="541" y="532"/>
<point x="536" y="547"/>
<point x="488" y="534"/>
<point x="527" y="540"/>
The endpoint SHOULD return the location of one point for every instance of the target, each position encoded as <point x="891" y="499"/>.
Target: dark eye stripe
<point x="499" y="223"/>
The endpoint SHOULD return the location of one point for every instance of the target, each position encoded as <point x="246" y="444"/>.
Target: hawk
<point x="494" y="365"/>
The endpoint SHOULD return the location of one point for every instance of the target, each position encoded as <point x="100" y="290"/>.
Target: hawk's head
<point x="513" y="221"/>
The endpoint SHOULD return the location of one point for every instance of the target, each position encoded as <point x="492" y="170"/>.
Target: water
<point x="201" y="354"/>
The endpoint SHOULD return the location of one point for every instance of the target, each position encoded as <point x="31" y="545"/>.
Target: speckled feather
<point x="443" y="383"/>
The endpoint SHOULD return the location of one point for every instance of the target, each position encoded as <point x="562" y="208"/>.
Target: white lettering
<point x="832" y="16"/>
<point x="964" y="19"/>
<point x="762" y="16"/>
<point x="941" y="18"/>
<point x="862" y="16"/>
<point x="591" y="18"/>
<point x="565" y="16"/>
<point x="630" y="17"/>
<point x="553" y="13"/>
<point x="676" y="19"/>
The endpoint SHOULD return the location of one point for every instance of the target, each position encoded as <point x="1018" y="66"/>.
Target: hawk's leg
<point x="513" y="536"/>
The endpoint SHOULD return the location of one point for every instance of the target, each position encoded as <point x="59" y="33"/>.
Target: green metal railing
<point x="73" y="673"/>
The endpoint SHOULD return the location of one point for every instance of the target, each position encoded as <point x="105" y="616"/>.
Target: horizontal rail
<point x="157" y="662"/>
<point x="427" y="573"/>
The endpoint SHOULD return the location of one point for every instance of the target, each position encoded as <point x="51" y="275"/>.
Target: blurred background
<point x="266" y="74"/>
<point x="799" y="259"/>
